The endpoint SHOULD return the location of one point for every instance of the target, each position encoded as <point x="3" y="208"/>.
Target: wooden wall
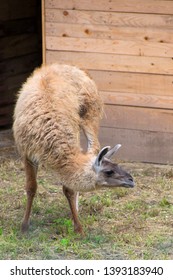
<point x="20" y="49"/>
<point x="127" y="47"/>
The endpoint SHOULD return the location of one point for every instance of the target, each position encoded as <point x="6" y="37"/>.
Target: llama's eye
<point x="109" y="172"/>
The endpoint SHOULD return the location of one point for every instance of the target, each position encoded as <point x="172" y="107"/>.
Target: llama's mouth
<point x="129" y="184"/>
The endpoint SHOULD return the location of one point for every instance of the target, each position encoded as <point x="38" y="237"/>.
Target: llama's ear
<point x="101" y="154"/>
<point x="112" y="151"/>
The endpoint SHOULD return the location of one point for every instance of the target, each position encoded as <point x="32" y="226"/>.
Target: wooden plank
<point x="109" y="62"/>
<point x="15" y="27"/>
<point x="7" y="96"/>
<point x="8" y="90"/>
<point x="18" y="65"/>
<point x="6" y="113"/>
<point x="143" y="146"/>
<point x="6" y="120"/>
<point x="19" y="9"/>
<point x="13" y="82"/>
<point x="18" y="45"/>
<point x="108" y="32"/>
<point x="4" y="10"/>
<point x="6" y="110"/>
<point x="109" y="18"/>
<point x="139" y="100"/>
<point x="125" y="76"/>
<point x="138" y="118"/>
<point x="133" y="82"/>
<point x="6" y="139"/>
<point x="43" y="21"/>
<point x="109" y="46"/>
<point x="140" y="6"/>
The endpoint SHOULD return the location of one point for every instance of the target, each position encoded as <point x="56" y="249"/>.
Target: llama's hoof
<point x="24" y="227"/>
<point x="79" y="230"/>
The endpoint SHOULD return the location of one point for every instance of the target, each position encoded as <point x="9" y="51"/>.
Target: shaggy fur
<point x="53" y="105"/>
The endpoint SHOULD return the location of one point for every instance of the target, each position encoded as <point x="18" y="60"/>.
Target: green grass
<point x="118" y="223"/>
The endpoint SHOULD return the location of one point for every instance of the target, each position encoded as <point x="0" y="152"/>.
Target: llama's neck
<point x="79" y="174"/>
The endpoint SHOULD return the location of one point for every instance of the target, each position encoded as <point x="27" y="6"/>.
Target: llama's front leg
<point x="31" y="188"/>
<point x="72" y="198"/>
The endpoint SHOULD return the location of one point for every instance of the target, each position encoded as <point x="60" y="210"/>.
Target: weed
<point x="164" y="202"/>
<point x="65" y="242"/>
<point x="64" y="225"/>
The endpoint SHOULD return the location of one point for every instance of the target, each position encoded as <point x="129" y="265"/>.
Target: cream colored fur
<point x="53" y="105"/>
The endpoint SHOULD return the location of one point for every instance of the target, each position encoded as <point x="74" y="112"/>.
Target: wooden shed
<point x="127" y="48"/>
<point x="125" y="45"/>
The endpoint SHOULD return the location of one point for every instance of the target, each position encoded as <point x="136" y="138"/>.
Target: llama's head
<point x="110" y="174"/>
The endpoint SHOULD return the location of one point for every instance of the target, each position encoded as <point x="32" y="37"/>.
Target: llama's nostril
<point x="131" y="179"/>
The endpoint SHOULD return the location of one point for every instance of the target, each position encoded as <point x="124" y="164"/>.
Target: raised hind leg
<point x="31" y="188"/>
<point x="72" y="198"/>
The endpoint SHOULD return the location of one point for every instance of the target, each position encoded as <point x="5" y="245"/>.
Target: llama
<point x="53" y="105"/>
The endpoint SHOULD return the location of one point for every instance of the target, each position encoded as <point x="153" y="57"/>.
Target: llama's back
<point x="52" y="106"/>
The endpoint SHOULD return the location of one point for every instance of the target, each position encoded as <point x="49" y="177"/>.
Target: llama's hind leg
<point x="31" y="188"/>
<point x="72" y="198"/>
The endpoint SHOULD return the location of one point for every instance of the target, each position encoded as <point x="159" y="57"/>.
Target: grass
<point x="118" y="223"/>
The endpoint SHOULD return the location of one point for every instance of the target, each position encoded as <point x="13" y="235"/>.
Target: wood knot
<point x="87" y="31"/>
<point x="65" y="13"/>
